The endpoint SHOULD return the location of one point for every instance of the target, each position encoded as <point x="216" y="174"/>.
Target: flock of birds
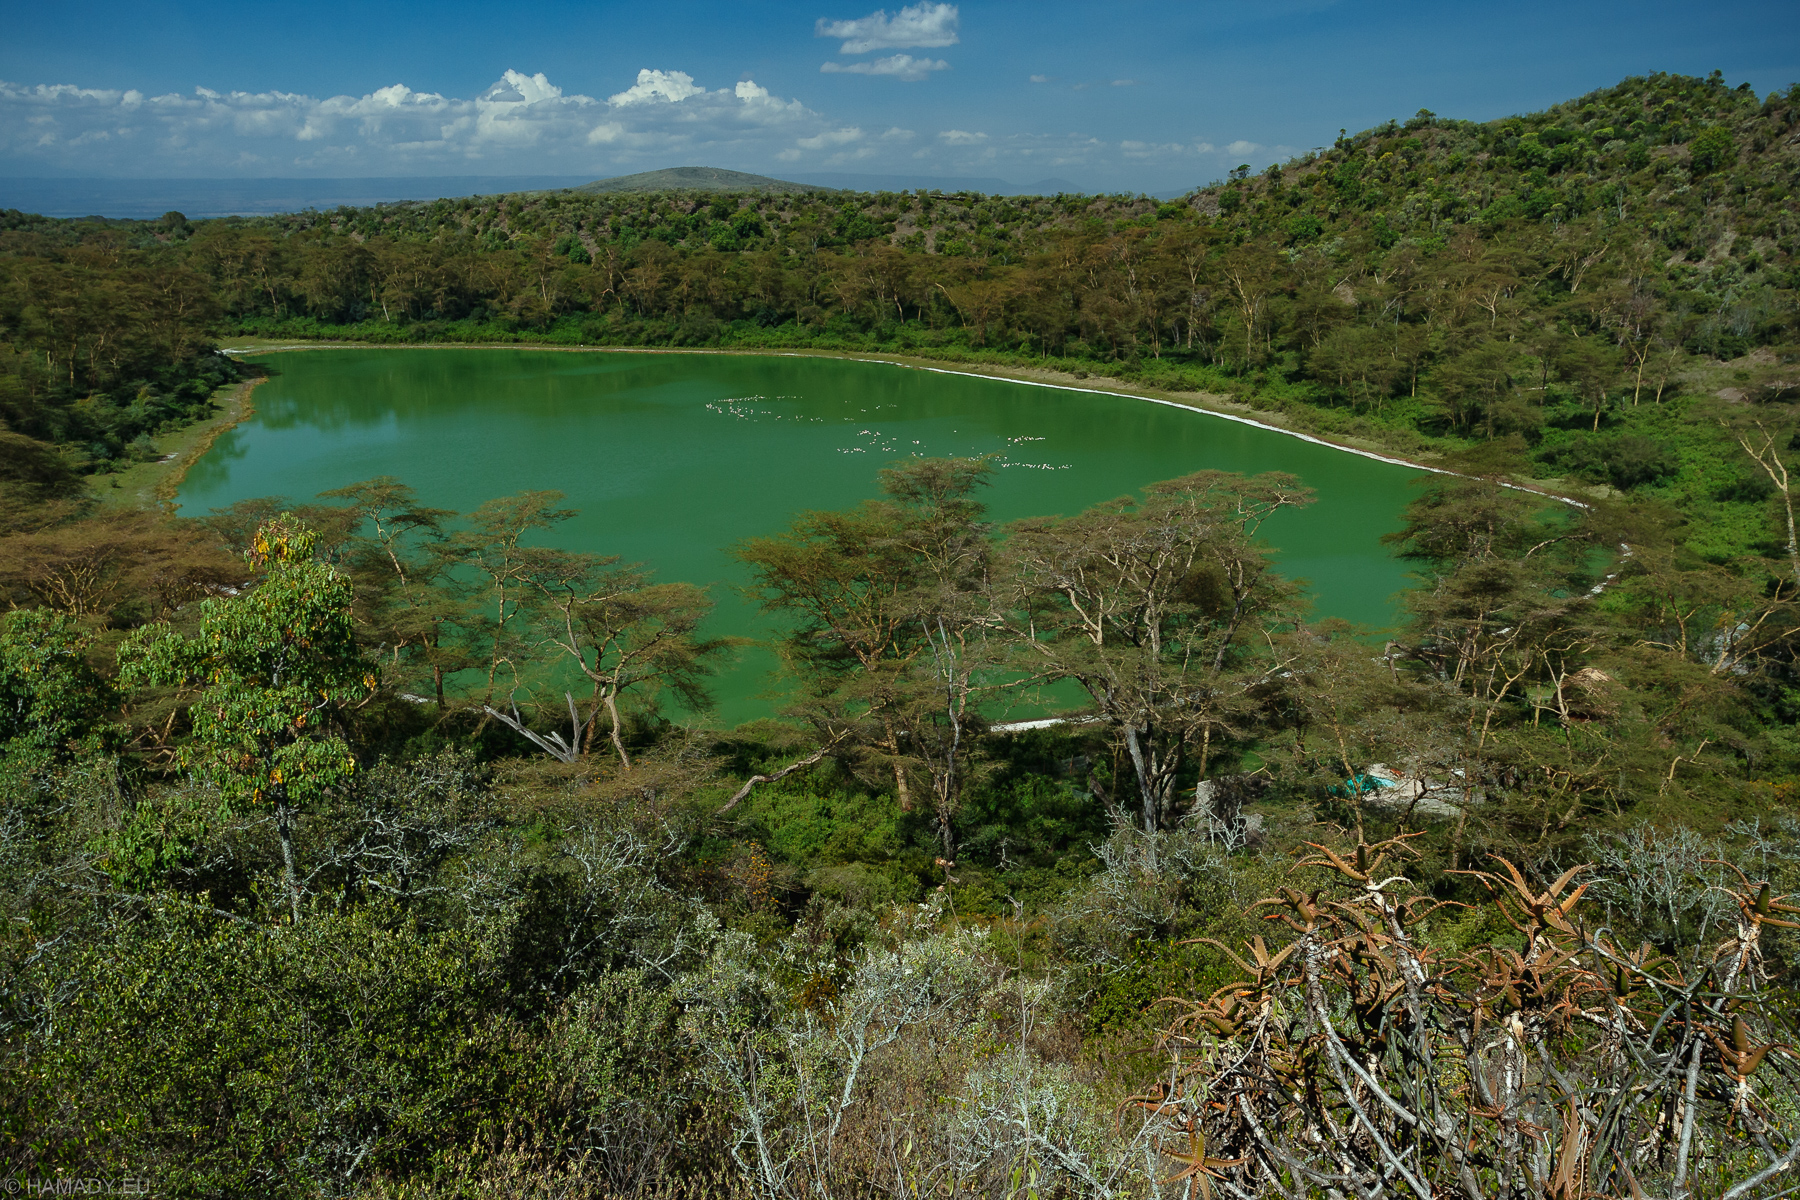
<point x="744" y="408"/>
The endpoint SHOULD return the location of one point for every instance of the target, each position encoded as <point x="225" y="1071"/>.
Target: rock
<point x="1219" y="805"/>
<point x="1426" y="797"/>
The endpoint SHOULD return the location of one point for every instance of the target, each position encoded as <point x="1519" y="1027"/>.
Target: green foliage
<point x="52" y="701"/>
<point x="272" y="670"/>
<point x="34" y="476"/>
<point x="220" y="1060"/>
<point x="1624" y="460"/>
<point x="1711" y="149"/>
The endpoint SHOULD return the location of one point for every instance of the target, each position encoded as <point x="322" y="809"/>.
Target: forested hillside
<point x="353" y="847"/>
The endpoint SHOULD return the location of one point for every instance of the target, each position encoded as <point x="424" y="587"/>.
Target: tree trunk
<point x="612" y="710"/>
<point x="1146" y="792"/>
<point x="284" y="827"/>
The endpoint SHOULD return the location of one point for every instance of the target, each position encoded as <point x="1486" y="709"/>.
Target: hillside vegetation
<point x="318" y="876"/>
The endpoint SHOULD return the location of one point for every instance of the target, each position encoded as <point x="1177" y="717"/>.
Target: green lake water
<point x="671" y="458"/>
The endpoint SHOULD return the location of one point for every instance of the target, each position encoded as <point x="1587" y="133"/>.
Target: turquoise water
<point x="671" y="458"/>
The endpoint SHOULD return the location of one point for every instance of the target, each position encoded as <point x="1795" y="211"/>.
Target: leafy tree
<point x="38" y="486"/>
<point x="1162" y="609"/>
<point x="1477" y="387"/>
<point x="492" y="547"/>
<point x="118" y="567"/>
<point x="1767" y="437"/>
<point x="626" y="635"/>
<point x="942" y="523"/>
<point x="1711" y="150"/>
<point x="52" y="701"/>
<point x="890" y="641"/>
<point x="407" y="602"/>
<point x="271" y="673"/>
<point x="1592" y="368"/>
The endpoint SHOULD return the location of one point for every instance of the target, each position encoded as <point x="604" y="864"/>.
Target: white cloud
<point x="900" y="66"/>
<point x="1124" y="83"/>
<point x="1142" y="150"/>
<point x="513" y="88"/>
<point x="1040" y="79"/>
<point x="522" y="123"/>
<point x="927" y="24"/>
<point x="527" y="124"/>
<point x="830" y="138"/>
<point x="651" y="86"/>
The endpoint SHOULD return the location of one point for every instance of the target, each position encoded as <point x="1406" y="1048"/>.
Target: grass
<point x="154" y="484"/>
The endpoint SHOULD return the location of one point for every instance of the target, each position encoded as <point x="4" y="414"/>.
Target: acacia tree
<point x="406" y="602"/>
<point x="493" y="550"/>
<point x="270" y="672"/>
<point x="1767" y="436"/>
<point x="891" y="638"/>
<point x="624" y="633"/>
<point x="942" y="525"/>
<point x="1251" y="275"/>
<point x="1476" y="385"/>
<point x="1591" y="368"/>
<point x="1163" y="609"/>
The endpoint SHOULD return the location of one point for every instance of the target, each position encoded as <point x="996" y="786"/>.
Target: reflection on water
<point x="671" y="458"/>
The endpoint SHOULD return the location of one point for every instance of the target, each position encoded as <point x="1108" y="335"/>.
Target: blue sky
<point x="1145" y="95"/>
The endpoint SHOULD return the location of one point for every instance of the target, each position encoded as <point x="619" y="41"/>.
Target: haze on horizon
<point x="1145" y="96"/>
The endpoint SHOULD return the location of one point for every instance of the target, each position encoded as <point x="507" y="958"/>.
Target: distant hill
<point x="696" y="179"/>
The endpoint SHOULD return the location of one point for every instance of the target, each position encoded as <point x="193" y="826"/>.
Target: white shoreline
<point x="1223" y="416"/>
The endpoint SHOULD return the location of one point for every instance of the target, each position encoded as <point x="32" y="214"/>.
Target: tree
<point x="1500" y="601"/>
<point x="1476" y="385"/>
<point x="625" y="634"/>
<point x="1768" y="437"/>
<point x="407" y="604"/>
<point x="1360" y="361"/>
<point x="119" y="566"/>
<point x="493" y="548"/>
<point x="37" y="484"/>
<point x="1162" y="609"/>
<point x="1712" y="149"/>
<point x="271" y="672"/>
<point x="1592" y="368"/>
<point x="891" y="635"/>
<point x="1251" y="274"/>
<point x="51" y="698"/>
<point x="943" y="525"/>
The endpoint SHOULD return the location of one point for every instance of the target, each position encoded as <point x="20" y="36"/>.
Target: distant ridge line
<point x="718" y="179"/>
<point x="697" y="179"/>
